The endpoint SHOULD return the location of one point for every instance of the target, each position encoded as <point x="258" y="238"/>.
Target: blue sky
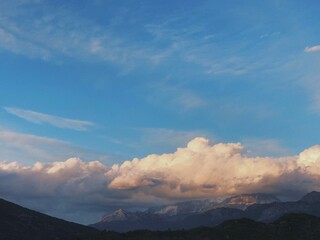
<point x="137" y="70"/>
<point x="114" y="80"/>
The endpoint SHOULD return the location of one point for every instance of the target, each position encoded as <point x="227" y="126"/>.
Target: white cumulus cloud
<point x="201" y="169"/>
<point x="312" y="49"/>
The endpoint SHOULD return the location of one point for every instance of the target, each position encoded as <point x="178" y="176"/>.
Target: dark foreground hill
<point x="288" y="227"/>
<point x="18" y="223"/>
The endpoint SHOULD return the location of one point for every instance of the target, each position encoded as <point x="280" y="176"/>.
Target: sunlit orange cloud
<point x="200" y="169"/>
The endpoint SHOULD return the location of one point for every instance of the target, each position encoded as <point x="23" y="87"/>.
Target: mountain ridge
<point x="182" y="214"/>
<point x="294" y="226"/>
<point x="17" y="222"/>
<point x="282" y="218"/>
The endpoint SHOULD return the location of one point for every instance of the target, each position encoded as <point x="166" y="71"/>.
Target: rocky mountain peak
<point x="187" y="207"/>
<point x="118" y="215"/>
<point x="312" y="197"/>
<point x="244" y="200"/>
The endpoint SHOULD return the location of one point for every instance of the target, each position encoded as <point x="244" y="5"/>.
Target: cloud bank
<point x="41" y="118"/>
<point x="200" y="169"/>
<point x="203" y="170"/>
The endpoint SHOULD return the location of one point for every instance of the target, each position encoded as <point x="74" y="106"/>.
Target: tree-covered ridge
<point x="289" y="227"/>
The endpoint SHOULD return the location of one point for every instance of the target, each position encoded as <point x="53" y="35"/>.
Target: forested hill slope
<point x="288" y="227"/>
<point x="19" y="223"/>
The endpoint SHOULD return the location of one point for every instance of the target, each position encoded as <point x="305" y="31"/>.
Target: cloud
<point x="175" y="95"/>
<point x="10" y="42"/>
<point x="58" y="187"/>
<point x="62" y="178"/>
<point x="312" y="49"/>
<point x="58" y="33"/>
<point x="189" y="171"/>
<point x="29" y="148"/>
<point x="41" y="118"/>
<point x="205" y="53"/>
<point x="310" y="159"/>
<point x="201" y="169"/>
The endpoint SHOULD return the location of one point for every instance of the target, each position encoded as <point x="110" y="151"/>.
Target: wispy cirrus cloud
<point x="29" y="148"/>
<point x="175" y="95"/>
<point x="58" y="33"/>
<point x="312" y="49"/>
<point x="42" y="118"/>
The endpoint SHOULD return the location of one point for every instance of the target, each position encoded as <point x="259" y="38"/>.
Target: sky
<point x="109" y="104"/>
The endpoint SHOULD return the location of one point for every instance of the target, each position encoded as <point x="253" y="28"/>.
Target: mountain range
<point x="248" y="216"/>
<point x="191" y="214"/>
